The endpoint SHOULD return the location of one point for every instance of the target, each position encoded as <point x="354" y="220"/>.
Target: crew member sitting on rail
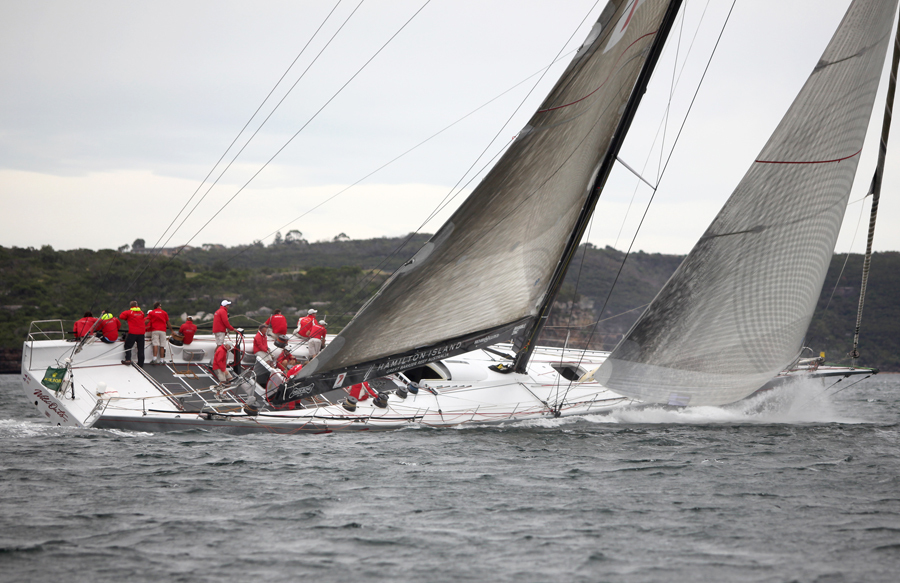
<point x="220" y="362"/>
<point x="317" y="338"/>
<point x="109" y="327"/>
<point x="278" y="323"/>
<point x="85" y="325"/>
<point x="188" y="329"/>
<point x="305" y="323"/>
<point x="221" y="324"/>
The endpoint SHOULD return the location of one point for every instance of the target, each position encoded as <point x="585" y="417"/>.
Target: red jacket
<point x="187" y="330"/>
<point x="317" y="331"/>
<point x="294" y="370"/>
<point x="110" y="328"/>
<point x="260" y="343"/>
<point x="362" y="391"/>
<point x="278" y="323"/>
<point x="220" y="321"/>
<point x="159" y="320"/>
<point x="135" y="320"/>
<point x="305" y="323"/>
<point x="220" y="359"/>
<point x="83" y="326"/>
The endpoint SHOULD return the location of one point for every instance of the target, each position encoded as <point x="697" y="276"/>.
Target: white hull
<point x="179" y="395"/>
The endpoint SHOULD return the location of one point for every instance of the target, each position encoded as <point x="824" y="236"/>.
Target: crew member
<point x="85" y="325"/>
<point x="261" y="341"/>
<point x="285" y="361"/>
<point x="221" y="324"/>
<point x="159" y="328"/>
<point x="278" y="323"/>
<point x="317" y="338"/>
<point x="134" y="317"/>
<point x="305" y="323"/>
<point x="109" y="327"/>
<point x="362" y="391"/>
<point x="188" y="329"/>
<point x="220" y="362"/>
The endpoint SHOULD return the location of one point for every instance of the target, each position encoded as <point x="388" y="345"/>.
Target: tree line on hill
<point x="337" y="276"/>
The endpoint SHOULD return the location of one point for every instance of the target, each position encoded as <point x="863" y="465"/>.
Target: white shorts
<point x="223" y="375"/>
<point x="220" y="338"/>
<point x="158" y="338"/>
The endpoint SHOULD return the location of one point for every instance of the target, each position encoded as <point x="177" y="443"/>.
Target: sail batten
<point x="735" y="312"/>
<point x="485" y="275"/>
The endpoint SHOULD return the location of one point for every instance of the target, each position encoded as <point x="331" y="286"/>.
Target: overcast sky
<point x="112" y="113"/>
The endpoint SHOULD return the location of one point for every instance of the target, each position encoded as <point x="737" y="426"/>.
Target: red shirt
<point x="294" y="370"/>
<point x="278" y="324"/>
<point x="305" y="323"/>
<point x="159" y="320"/>
<point x="135" y="320"/>
<point x="220" y="321"/>
<point x="317" y="331"/>
<point x="83" y="326"/>
<point x="110" y="328"/>
<point x="187" y="330"/>
<point x="362" y="391"/>
<point x="220" y="359"/>
<point x="260" y="343"/>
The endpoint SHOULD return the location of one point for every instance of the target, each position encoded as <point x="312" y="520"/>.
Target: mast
<point x="531" y="335"/>
<point x="876" y="189"/>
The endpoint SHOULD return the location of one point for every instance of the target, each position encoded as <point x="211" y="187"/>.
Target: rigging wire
<point x="313" y="117"/>
<point x="153" y="257"/>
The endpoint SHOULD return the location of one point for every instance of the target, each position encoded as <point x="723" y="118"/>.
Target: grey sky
<point x="112" y="113"/>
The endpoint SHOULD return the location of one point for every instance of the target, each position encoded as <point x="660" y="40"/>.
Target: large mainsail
<point x="486" y="274"/>
<point x="736" y="311"/>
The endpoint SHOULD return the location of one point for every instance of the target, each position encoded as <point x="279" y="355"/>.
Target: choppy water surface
<point x="800" y="487"/>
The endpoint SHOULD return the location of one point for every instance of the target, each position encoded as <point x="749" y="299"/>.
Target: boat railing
<point x="44" y="330"/>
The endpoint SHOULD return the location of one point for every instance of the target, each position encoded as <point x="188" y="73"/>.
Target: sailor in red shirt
<point x="317" y="338"/>
<point x="188" y="329"/>
<point x="159" y="328"/>
<point x="305" y="323"/>
<point x="85" y="325"/>
<point x="220" y="323"/>
<point x="261" y="342"/>
<point x="362" y="391"/>
<point x="134" y="317"/>
<point x="109" y="327"/>
<point x="278" y="323"/>
<point x="220" y="362"/>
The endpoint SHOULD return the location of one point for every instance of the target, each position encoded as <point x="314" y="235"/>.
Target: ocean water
<point x="799" y="485"/>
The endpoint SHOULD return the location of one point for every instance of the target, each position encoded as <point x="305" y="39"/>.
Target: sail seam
<point x="809" y="162"/>
<point x="605" y="80"/>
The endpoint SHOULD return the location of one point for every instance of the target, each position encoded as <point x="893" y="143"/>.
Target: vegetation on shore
<point x="336" y="277"/>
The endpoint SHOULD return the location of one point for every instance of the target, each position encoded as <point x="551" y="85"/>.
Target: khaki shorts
<point x="220" y="338"/>
<point x="223" y="375"/>
<point x="158" y="338"/>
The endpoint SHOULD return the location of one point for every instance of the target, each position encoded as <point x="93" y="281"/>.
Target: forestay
<point x="484" y="275"/>
<point x="736" y="311"/>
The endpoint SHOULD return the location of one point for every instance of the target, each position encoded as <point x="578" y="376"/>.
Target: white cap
<point x="228" y="343"/>
<point x="323" y="323"/>
<point x="226" y="303"/>
<point x="311" y="311"/>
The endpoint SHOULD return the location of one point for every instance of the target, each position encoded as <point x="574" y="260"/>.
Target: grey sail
<point x="736" y="311"/>
<point x="485" y="274"/>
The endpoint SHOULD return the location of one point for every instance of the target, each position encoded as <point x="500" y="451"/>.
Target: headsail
<point x="735" y="312"/>
<point x="484" y="275"/>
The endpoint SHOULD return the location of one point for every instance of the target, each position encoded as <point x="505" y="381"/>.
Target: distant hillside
<point x="336" y="277"/>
